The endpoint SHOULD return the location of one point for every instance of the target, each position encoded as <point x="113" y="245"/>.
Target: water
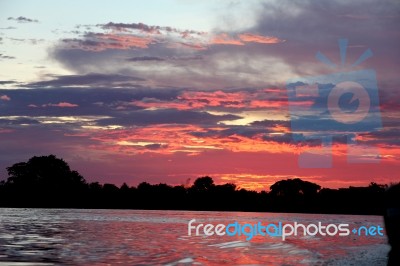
<point x="136" y="237"/>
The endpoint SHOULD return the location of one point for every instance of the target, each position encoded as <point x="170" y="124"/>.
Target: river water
<point x="139" y="237"/>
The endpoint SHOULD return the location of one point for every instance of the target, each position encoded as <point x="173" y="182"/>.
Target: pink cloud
<point x="5" y="98"/>
<point x="243" y="38"/>
<point x="224" y="38"/>
<point x="103" y="41"/>
<point x="61" y="104"/>
<point x="248" y="37"/>
<point x="138" y="35"/>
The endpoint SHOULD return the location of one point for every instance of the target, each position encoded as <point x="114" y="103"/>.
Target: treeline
<point x="48" y="182"/>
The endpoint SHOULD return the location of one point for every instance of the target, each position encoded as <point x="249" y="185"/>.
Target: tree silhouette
<point x="44" y="171"/>
<point x="294" y="194"/>
<point x="45" y="180"/>
<point x="203" y="184"/>
<point x="48" y="181"/>
<point x="294" y="187"/>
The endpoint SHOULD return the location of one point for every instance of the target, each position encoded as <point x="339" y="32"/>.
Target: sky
<point x="247" y="92"/>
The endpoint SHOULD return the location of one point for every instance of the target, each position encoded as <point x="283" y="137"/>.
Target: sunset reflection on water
<point x="137" y="237"/>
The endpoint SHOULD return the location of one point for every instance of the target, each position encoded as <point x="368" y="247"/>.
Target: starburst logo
<point x="344" y="104"/>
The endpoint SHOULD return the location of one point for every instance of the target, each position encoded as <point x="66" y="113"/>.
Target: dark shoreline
<point x="48" y="182"/>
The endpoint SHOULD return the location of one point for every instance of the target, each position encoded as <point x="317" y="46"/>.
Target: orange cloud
<point x="126" y="41"/>
<point x="224" y="38"/>
<point x="180" y="139"/>
<point x="188" y="45"/>
<point x="248" y="37"/>
<point x="139" y="35"/>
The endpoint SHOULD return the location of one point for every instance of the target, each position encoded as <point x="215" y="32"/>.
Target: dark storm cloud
<point x="271" y="130"/>
<point x="165" y="116"/>
<point x="91" y="79"/>
<point x="112" y="60"/>
<point x="311" y="26"/>
<point x="99" y="101"/>
<point x="136" y="26"/>
<point x="4" y="82"/>
<point x="285" y="138"/>
<point x="249" y="131"/>
<point x="146" y="28"/>
<point x="18" y="121"/>
<point x="245" y="131"/>
<point x="22" y="19"/>
<point x="388" y="136"/>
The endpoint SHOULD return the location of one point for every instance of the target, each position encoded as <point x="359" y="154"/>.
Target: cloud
<point x="103" y="41"/>
<point x="22" y="19"/>
<point x="244" y="99"/>
<point x="5" y="98"/>
<point x="5" y="82"/>
<point x="91" y="79"/>
<point x="248" y="37"/>
<point x="154" y="146"/>
<point x="60" y="104"/>
<point x="165" y="116"/>
<point x="19" y="121"/>
<point x="148" y="29"/>
<point x="94" y="101"/>
<point x="2" y="56"/>
<point x="145" y="58"/>
<point x="138" y="35"/>
<point x="224" y="38"/>
<point x="180" y="58"/>
<point x="215" y="68"/>
<point x="132" y="36"/>
<point x="8" y="28"/>
<point x="31" y="40"/>
<point x="244" y="38"/>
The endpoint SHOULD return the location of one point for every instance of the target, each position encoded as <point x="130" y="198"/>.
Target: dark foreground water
<point x="132" y="237"/>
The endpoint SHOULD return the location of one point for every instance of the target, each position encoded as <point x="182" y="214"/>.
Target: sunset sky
<point x="167" y="91"/>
